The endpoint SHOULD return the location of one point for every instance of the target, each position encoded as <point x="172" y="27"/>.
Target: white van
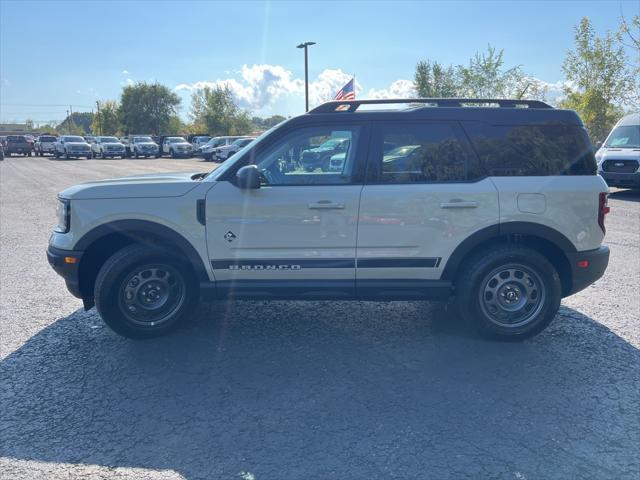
<point x="619" y="156"/>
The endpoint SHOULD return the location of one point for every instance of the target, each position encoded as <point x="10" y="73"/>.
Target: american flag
<point x="347" y="92"/>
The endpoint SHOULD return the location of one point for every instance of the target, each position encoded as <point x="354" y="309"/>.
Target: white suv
<point x="498" y="206"/>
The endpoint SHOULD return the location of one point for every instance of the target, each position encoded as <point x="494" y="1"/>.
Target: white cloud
<point x="125" y="72"/>
<point x="259" y="86"/>
<point x="127" y="82"/>
<point x="397" y="89"/>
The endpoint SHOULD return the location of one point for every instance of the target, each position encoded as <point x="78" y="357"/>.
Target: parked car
<point x="1" y="151"/>
<point x="319" y="156"/>
<point x="207" y="150"/>
<point x="507" y="218"/>
<point x="619" y="156"/>
<point x="176" y="147"/>
<point x="224" y="152"/>
<point x="17" y="144"/>
<point x="45" y="144"/>
<point x="72" y="146"/>
<point x="143" y="146"/>
<point x="108" y="147"/>
<point x="198" y="141"/>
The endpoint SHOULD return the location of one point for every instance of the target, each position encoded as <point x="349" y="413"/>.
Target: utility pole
<point x="71" y="117"/>
<point x="305" y="45"/>
<point x="99" y="117"/>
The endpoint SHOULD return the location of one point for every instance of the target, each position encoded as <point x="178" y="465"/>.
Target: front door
<point x="296" y="234"/>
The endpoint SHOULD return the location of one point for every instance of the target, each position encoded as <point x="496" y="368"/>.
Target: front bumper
<point x="622" y="180"/>
<point x="582" y="277"/>
<point x="70" y="272"/>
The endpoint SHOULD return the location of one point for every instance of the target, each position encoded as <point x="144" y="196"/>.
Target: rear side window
<point x="531" y="150"/>
<point x="418" y="153"/>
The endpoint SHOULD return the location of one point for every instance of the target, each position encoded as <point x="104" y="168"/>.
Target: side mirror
<point x="598" y="145"/>
<point x="248" y="177"/>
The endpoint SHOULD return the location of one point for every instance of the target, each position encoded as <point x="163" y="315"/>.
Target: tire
<point x="90" y="156"/>
<point x="66" y="155"/>
<point x="57" y="154"/>
<point x="173" y="154"/>
<point x="130" y="277"/>
<point x="135" y="154"/>
<point x="30" y="154"/>
<point x="509" y="292"/>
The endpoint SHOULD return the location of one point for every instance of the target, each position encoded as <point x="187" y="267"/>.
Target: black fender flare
<point x="497" y="232"/>
<point x="135" y="230"/>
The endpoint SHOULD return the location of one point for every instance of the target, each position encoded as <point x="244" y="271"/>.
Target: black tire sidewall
<point x="472" y="280"/>
<point x="113" y="274"/>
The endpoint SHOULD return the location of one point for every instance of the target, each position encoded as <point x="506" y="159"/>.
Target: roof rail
<point x="353" y="105"/>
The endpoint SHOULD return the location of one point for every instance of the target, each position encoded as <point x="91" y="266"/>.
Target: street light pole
<point x="305" y="45"/>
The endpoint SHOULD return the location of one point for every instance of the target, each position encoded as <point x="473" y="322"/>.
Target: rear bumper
<point x="68" y="271"/>
<point x="582" y="277"/>
<point x="622" y="180"/>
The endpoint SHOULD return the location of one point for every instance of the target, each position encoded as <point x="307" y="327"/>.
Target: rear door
<point x="296" y="234"/>
<point x="421" y="199"/>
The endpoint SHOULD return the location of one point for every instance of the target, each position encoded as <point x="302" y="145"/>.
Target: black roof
<point x="494" y="111"/>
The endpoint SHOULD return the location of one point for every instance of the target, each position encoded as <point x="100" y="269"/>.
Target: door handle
<point x="326" y="205"/>
<point x="458" y="203"/>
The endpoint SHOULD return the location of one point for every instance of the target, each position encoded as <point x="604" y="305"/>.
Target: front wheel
<point x="511" y="292"/>
<point x="142" y="292"/>
<point x="66" y="155"/>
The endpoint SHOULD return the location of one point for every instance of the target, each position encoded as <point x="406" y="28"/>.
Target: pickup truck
<point x="45" y="144"/>
<point x="17" y="144"/>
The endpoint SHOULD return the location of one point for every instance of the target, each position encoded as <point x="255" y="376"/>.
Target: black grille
<point x="620" y="166"/>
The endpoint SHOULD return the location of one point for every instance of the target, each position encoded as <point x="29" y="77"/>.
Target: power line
<point x="44" y="105"/>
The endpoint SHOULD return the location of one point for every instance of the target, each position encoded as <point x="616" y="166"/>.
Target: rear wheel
<point x="143" y="293"/>
<point x="510" y="291"/>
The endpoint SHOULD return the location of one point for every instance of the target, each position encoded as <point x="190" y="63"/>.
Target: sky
<point x="54" y="54"/>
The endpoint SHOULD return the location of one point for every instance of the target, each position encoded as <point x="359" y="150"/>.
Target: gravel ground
<point x="320" y="390"/>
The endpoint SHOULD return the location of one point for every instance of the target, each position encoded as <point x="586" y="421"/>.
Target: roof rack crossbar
<point x="352" y="105"/>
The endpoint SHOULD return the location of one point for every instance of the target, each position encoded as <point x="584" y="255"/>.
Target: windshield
<point x="109" y="140"/>
<point x="142" y="139"/>
<point x="624" y="136"/>
<point x="331" y="143"/>
<point x="47" y="139"/>
<point x="175" y="140"/>
<point x="240" y="142"/>
<point x="73" y="139"/>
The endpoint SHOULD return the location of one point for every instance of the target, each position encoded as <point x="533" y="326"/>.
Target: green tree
<point x="484" y="76"/>
<point x="260" y="123"/>
<point x="599" y="79"/>
<point x="433" y="80"/>
<point x="147" y="108"/>
<point x="107" y="121"/>
<point x="214" y="110"/>
<point x="78" y="123"/>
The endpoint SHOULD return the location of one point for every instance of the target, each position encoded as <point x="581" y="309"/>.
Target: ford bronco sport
<point x="494" y="203"/>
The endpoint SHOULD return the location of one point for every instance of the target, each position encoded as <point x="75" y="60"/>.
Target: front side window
<point x="322" y="155"/>
<point x="418" y="153"/>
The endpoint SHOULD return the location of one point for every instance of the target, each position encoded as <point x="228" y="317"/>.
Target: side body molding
<point x="136" y="230"/>
<point x="496" y="232"/>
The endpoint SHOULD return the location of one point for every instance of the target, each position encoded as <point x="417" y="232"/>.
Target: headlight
<point x="63" y="212"/>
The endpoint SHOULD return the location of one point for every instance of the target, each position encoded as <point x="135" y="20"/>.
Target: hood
<point x="143" y="186"/>
<point x="606" y="153"/>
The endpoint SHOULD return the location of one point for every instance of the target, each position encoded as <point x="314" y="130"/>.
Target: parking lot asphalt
<point x="313" y="390"/>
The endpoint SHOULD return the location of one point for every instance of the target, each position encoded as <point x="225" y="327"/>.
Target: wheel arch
<point x="545" y="240"/>
<point x="104" y="240"/>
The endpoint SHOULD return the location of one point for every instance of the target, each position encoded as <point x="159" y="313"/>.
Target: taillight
<point x="603" y="209"/>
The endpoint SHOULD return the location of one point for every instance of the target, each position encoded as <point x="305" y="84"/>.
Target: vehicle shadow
<point x="326" y="390"/>
<point x="627" y="195"/>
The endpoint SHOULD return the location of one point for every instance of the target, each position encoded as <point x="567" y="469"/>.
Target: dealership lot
<point x="305" y="390"/>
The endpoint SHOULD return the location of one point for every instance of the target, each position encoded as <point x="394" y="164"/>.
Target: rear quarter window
<point x="531" y="150"/>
